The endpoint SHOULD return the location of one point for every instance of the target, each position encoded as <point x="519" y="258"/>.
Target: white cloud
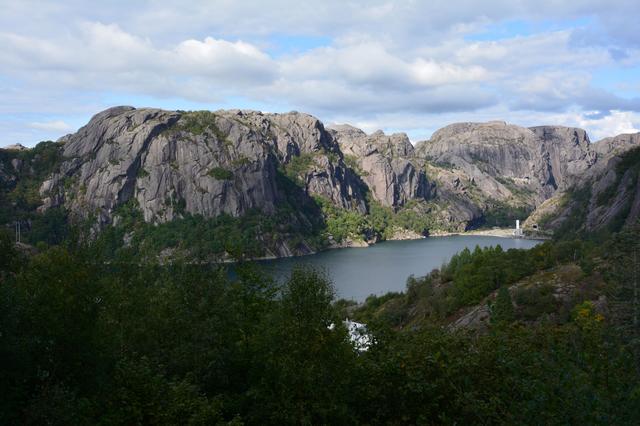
<point x="221" y="59"/>
<point x="537" y="50"/>
<point x="373" y="65"/>
<point x="417" y="64"/>
<point x="58" y="126"/>
<point x="613" y="124"/>
<point x="431" y="73"/>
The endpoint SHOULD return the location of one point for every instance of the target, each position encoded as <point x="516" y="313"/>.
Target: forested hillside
<point x="83" y="341"/>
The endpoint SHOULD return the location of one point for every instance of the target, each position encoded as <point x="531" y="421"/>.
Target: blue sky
<point x="411" y="66"/>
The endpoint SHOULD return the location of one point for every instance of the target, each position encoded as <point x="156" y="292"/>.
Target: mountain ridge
<point x="336" y="183"/>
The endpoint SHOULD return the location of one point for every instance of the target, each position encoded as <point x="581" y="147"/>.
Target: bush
<point x="51" y="227"/>
<point x="533" y="302"/>
<point x="298" y="166"/>
<point x="504" y="215"/>
<point x="502" y="312"/>
<point x="220" y="173"/>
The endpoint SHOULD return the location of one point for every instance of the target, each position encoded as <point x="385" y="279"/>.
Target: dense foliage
<point x="197" y="123"/>
<point x="205" y="239"/>
<point x="125" y="344"/>
<point x="380" y="223"/>
<point x="20" y="197"/>
<point x="504" y="215"/>
<point x="88" y="342"/>
<point x="471" y="276"/>
<point x="297" y="168"/>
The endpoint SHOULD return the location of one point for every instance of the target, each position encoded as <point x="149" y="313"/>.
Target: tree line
<point x="86" y="341"/>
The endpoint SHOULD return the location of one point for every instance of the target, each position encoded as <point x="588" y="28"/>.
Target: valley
<point x="374" y="213"/>
<point x="234" y="185"/>
<point x="118" y="304"/>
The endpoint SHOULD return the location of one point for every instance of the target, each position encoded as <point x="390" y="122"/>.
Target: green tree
<point x="49" y="334"/>
<point x="502" y="308"/>
<point x="9" y="258"/>
<point x="304" y="370"/>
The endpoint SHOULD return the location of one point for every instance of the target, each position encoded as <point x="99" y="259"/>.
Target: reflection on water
<point x="384" y="267"/>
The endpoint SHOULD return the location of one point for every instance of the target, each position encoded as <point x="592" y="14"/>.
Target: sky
<point x="411" y="66"/>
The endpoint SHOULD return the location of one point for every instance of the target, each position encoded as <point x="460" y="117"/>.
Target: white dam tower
<point x="518" y="231"/>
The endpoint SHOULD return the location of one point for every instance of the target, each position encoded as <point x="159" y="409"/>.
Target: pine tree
<point x="502" y="309"/>
<point x="624" y="300"/>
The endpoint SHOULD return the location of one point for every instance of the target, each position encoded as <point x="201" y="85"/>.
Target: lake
<point x="383" y="267"/>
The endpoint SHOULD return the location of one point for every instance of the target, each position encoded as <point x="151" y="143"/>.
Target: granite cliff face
<point x="566" y="154"/>
<point x="203" y="163"/>
<point x="387" y="165"/>
<point x="608" y="147"/>
<point x="606" y="196"/>
<point x="174" y="164"/>
<point x="509" y="163"/>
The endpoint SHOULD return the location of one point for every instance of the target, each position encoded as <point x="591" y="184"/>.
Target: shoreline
<point x="498" y="233"/>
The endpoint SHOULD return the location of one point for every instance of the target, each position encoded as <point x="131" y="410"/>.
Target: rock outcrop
<point x="510" y="163"/>
<point x="208" y="163"/>
<point x="202" y="163"/>
<point x="15" y="147"/>
<point x="386" y="163"/>
<point x="566" y="154"/>
<point x="608" y="147"/>
<point x="606" y="196"/>
<point x="561" y="284"/>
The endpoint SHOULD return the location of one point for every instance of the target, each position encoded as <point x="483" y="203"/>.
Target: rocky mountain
<point x="606" y="197"/>
<point x="298" y="181"/>
<point x="510" y="164"/>
<point x="387" y="164"/>
<point x="202" y="163"/>
<point x="617" y="144"/>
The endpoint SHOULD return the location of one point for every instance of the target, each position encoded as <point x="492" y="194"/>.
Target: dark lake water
<point x="360" y="272"/>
